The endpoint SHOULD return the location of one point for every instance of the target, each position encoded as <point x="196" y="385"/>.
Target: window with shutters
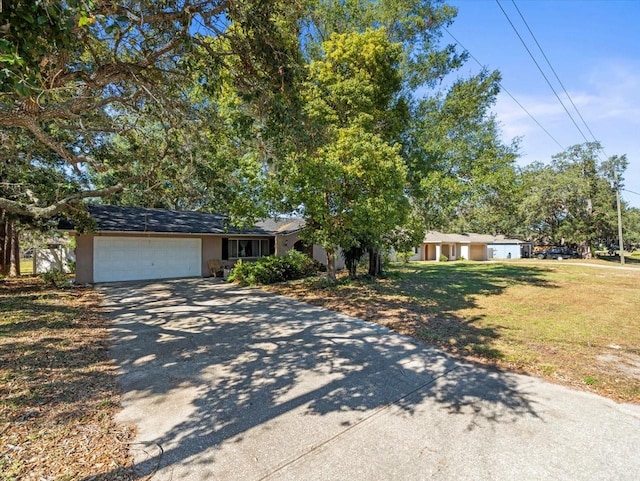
<point x="248" y="248"/>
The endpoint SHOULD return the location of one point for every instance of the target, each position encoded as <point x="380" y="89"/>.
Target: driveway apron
<point x="230" y="383"/>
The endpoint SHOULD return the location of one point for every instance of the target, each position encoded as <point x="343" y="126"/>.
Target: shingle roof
<point x="111" y="218"/>
<point x="434" y="237"/>
<point x="282" y="226"/>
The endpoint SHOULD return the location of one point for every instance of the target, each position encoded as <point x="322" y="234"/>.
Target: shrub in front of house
<point x="56" y="278"/>
<point x="443" y="258"/>
<point x="272" y="269"/>
<point x="405" y="256"/>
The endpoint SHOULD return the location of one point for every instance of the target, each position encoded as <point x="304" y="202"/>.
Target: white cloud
<point x="608" y="98"/>
<point x="613" y="93"/>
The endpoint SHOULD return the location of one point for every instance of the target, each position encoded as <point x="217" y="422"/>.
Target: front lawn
<point x="572" y="324"/>
<point x="58" y="392"/>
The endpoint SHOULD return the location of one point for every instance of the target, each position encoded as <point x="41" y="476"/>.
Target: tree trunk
<point x="375" y="262"/>
<point x="3" y="233"/>
<point x="353" y="270"/>
<point x="587" y="243"/>
<point x="14" y="270"/>
<point x="6" y="247"/>
<point x="331" y="266"/>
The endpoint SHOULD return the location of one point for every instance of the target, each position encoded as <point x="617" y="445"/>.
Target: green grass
<point x="629" y="259"/>
<point x="26" y="266"/>
<point x="574" y="324"/>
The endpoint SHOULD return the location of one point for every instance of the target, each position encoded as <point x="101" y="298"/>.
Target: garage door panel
<point x="477" y="253"/>
<point x="132" y="258"/>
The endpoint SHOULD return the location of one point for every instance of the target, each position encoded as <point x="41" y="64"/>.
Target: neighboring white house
<point x="54" y="257"/>
<point x="455" y="246"/>
<point x="475" y="247"/>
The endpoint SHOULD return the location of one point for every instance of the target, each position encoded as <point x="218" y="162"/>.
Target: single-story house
<point x="454" y="246"/>
<point x="475" y="247"/>
<point x="133" y="243"/>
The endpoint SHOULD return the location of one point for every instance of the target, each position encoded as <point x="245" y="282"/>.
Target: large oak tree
<point x="76" y="75"/>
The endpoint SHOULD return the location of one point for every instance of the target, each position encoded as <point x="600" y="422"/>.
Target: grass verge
<point x="571" y="324"/>
<point x="58" y="392"/>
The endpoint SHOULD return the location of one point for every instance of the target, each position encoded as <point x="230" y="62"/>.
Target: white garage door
<point x="134" y="258"/>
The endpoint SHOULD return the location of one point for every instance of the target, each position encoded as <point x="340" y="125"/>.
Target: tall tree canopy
<point x="350" y="180"/>
<point x="572" y="200"/>
<point x="421" y="63"/>
<point x="77" y="73"/>
<point x="459" y="165"/>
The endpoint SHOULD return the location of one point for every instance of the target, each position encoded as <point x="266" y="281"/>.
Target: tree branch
<point x="38" y="213"/>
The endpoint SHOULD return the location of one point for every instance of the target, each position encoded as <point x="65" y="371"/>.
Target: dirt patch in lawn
<point x="620" y="363"/>
<point x="58" y="390"/>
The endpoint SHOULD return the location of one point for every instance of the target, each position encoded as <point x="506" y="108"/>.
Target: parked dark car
<point x="558" y="253"/>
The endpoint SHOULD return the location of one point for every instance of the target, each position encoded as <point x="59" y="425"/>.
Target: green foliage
<point x="406" y="237"/>
<point x="631" y="225"/>
<point x="572" y="200"/>
<point x="416" y="24"/>
<point x="56" y="278"/>
<point x="30" y="30"/>
<point x="351" y="178"/>
<point x="353" y="189"/>
<point x="405" y="256"/>
<point x="590" y="380"/>
<point x="272" y="269"/>
<point x="443" y="258"/>
<point x="126" y="98"/>
<point x="462" y="176"/>
<point x="356" y="81"/>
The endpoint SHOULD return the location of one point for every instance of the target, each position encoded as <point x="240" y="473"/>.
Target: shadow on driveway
<point x="226" y="382"/>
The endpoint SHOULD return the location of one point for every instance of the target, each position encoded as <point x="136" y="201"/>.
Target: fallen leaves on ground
<point x="58" y="390"/>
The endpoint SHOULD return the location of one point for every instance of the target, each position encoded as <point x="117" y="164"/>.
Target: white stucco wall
<point x="418" y="254"/>
<point x="58" y="258"/>
<point x="502" y="251"/>
<point x="320" y="255"/>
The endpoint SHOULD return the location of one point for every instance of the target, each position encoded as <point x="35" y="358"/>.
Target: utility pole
<point x="620" y="241"/>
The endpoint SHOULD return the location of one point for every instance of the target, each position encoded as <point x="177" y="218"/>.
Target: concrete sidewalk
<point x="226" y="383"/>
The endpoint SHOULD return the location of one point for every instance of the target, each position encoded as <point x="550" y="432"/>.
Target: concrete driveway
<point x="227" y="383"/>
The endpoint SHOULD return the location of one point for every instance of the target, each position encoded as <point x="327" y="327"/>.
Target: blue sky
<point x="594" y="46"/>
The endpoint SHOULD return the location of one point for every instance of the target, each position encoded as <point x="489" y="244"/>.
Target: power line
<point x="630" y="191"/>
<point x="557" y="78"/>
<point x="502" y="87"/>
<point x="542" y="72"/>
<point x="553" y="70"/>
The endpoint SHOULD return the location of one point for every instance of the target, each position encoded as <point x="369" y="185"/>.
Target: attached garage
<point x="135" y="243"/>
<point x="133" y="258"/>
<point x="477" y="252"/>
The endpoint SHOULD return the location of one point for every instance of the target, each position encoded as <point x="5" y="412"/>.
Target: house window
<point x="248" y="248"/>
